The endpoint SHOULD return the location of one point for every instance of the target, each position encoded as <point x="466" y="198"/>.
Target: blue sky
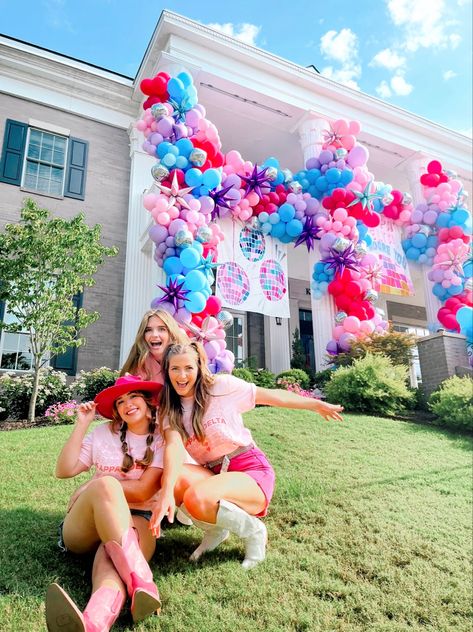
<point x="415" y="54"/>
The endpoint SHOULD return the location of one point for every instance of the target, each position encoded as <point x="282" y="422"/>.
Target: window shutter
<point x="2" y="311"/>
<point x="76" y="169"/>
<point x="14" y="142"/>
<point x="67" y="361"/>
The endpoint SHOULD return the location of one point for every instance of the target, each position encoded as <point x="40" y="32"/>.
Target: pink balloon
<point x="351" y="324"/>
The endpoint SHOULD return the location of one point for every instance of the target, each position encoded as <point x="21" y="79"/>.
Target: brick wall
<point x="439" y="356"/>
<point x="106" y="203"/>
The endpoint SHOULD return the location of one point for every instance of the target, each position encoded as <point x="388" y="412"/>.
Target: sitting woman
<point x="109" y="514"/>
<point x="157" y="329"/>
<point x="204" y="413"/>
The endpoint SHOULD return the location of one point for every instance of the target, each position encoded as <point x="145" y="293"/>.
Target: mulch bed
<point x="17" y="424"/>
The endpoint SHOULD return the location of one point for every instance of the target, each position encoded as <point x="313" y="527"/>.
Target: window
<point x="43" y="161"/>
<point x="15" y="352"/>
<point x="420" y="332"/>
<point x="234" y="338"/>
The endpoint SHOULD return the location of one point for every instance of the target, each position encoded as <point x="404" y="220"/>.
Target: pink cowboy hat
<point x="106" y="398"/>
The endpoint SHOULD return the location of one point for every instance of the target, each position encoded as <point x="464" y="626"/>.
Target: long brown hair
<point x="170" y="403"/>
<point x="136" y="361"/>
<point x="117" y="424"/>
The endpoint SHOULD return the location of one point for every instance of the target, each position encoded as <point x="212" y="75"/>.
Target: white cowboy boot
<point x="249" y="528"/>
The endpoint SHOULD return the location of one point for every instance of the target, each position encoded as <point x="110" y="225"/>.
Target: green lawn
<point x="370" y="529"/>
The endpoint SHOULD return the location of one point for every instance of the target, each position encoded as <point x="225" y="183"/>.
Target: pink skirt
<point x="255" y="464"/>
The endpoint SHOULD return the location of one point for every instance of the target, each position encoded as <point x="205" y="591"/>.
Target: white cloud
<point x="400" y="86"/>
<point x="383" y="90"/>
<point x="389" y="59"/>
<point x="449" y="74"/>
<point x="341" y="47"/>
<point x="245" y="32"/>
<point x="397" y="86"/>
<point x="423" y="22"/>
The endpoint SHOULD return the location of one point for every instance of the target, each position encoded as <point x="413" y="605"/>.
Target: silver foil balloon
<point x="271" y="173"/>
<point x="225" y="319"/>
<point x="371" y="296"/>
<point x="361" y="249"/>
<point x="387" y="199"/>
<point x="288" y="177"/>
<point x="341" y="152"/>
<point x="406" y="198"/>
<point x="295" y="187"/>
<point x="159" y="172"/>
<point x="340" y="317"/>
<point x="203" y="234"/>
<point x="340" y="244"/>
<point x="469" y="285"/>
<point x="183" y="238"/>
<point x="198" y="157"/>
<point x="450" y="173"/>
<point x="158" y="110"/>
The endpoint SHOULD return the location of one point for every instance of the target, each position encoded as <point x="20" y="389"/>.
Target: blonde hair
<point x="117" y="424"/>
<point x="170" y="403"/>
<point x="136" y="361"/>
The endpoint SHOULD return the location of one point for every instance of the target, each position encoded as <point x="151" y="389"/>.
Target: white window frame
<point x="2" y="344"/>
<point x="53" y="132"/>
<point x="414" y="367"/>
<point x="243" y="346"/>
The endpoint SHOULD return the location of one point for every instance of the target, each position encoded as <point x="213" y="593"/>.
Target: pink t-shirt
<point x="222" y="421"/>
<point x="153" y="369"/>
<point x="102" y="449"/>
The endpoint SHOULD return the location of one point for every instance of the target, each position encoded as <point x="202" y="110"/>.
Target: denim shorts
<point x="144" y="513"/>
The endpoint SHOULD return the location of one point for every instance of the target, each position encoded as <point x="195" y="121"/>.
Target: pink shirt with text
<point x="222" y="421"/>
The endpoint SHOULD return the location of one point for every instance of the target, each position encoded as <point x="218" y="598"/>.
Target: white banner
<point x="253" y="275"/>
<point x="395" y="274"/>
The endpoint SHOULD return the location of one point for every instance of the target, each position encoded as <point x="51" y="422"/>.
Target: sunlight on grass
<point x="370" y="529"/>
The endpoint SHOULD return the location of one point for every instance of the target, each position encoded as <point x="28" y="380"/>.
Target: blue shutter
<point x="76" y="169"/>
<point x="67" y="361"/>
<point x="14" y="142"/>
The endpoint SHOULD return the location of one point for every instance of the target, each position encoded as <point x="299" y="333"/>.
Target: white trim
<point x="49" y="127"/>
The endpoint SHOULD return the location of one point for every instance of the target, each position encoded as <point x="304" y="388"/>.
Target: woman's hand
<point x="165" y="506"/>
<point x="86" y="413"/>
<point x="328" y="411"/>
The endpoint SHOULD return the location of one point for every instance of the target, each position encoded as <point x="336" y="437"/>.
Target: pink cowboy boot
<point x="62" y="615"/>
<point x="132" y="567"/>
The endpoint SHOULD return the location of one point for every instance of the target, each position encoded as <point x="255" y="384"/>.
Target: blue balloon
<point x="172" y="265"/>
<point x="412" y="253"/>
<point x="321" y="183"/>
<point x="193" y="177"/>
<point x="294" y="228"/>
<point x="211" y="178"/>
<point x="278" y="230"/>
<point x="460" y="216"/>
<point x="274" y="218"/>
<point x="419" y="240"/>
<point x="184" y="146"/>
<point x="175" y="88"/>
<point x="333" y="175"/>
<point x="195" y="302"/>
<point x="185" y="78"/>
<point x="195" y="281"/>
<point x="443" y="220"/>
<point x="286" y="212"/>
<point x="190" y="258"/>
<point x="169" y="160"/>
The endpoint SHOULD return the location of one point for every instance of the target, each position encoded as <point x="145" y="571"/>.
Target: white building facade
<point x="262" y="106"/>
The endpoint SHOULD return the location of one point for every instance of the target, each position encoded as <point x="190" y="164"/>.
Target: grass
<point x="370" y="529"/>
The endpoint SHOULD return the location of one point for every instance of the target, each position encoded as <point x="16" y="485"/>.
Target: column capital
<point x="136" y="140"/>
<point x="311" y="128"/>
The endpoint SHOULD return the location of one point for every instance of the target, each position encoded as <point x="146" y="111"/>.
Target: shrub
<point x="89" y="383"/>
<point x="453" y="403"/>
<point x="322" y="377"/>
<point x="264" y="378"/>
<point x="370" y="385"/>
<point x="293" y="387"/>
<point x="298" y="360"/>
<point x="16" y="389"/>
<point x="395" y="345"/>
<point x="62" y="413"/>
<point x="243" y="374"/>
<point x="294" y="376"/>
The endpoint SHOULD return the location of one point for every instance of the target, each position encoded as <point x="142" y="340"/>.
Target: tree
<point x="298" y="360"/>
<point x="397" y="346"/>
<point x="44" y="262"/>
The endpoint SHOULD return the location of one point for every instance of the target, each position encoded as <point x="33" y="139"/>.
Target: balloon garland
<point x="331" y="203"/>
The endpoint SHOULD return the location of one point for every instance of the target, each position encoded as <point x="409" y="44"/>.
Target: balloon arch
<point x="331" y="204"/>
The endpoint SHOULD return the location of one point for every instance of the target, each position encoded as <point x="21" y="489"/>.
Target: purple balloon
<point x="416" y="216"/>
<point x="312" y="163"/>
<point x="345" y="341"/>
<point x="325" y="157"/>
<point x="157" y="233"/>
<point x="430" y="217"/>
<point x="358" y="156"/>
<point x="332" y="347"/>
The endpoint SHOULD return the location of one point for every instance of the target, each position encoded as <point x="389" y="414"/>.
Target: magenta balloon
<point x="358" y="156"/>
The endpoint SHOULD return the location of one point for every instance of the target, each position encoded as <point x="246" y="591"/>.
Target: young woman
<point x="204" y="413"/>
<point x="109" y="514"/>
<point x="157" y="329"/>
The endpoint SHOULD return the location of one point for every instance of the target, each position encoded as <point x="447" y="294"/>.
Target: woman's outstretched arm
<point x="285" y="399"/>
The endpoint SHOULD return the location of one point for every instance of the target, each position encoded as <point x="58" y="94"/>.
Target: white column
<point x="277" y="344"/>
<point x="414" y="167"/>
<point x="323" y="311"/>
<point x="139" y="264"/>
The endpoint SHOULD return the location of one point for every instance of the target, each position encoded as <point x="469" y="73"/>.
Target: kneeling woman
<point x="109" y="514"/>
<point x="204" y="413"/>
